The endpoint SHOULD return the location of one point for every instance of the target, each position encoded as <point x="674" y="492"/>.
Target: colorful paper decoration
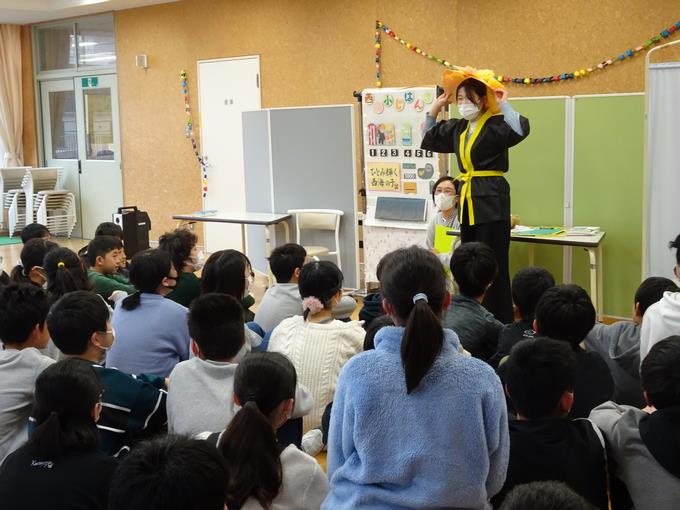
<point x="189" y="133"/>
<point x="578" y="73"/>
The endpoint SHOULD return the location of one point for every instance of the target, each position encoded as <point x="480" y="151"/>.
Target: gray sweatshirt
<point x="619" y="345"/>
<point x="283" y="300"/>
<point x="200" y="397"/>
<point x="650" y="486"/>
<point x="18" y="371"/>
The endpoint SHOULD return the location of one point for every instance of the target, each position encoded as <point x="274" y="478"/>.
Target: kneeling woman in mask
<point x="445" y="198"/>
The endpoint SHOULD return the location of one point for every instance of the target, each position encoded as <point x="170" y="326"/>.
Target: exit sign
<point x="92" y="81"/>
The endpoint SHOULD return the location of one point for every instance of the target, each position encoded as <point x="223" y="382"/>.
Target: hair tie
<point x="314" y="305"/>
<point x="251" y="397"/>
<point x="61" y="264"/>
<point x="420" y="296"/>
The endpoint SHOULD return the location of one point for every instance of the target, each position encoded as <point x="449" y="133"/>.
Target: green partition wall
<point x="607" y="186"/>
<point x="536" y="178"/>
<point x="608" y="176"/>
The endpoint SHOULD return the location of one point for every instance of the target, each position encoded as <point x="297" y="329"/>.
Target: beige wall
<point x="316" y="52"/>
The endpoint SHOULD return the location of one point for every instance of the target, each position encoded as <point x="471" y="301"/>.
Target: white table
<point x="243" y="219"/>
<point x="591" y="243"/>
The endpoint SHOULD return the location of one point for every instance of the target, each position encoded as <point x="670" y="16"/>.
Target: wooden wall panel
<point x="319" y="52"/>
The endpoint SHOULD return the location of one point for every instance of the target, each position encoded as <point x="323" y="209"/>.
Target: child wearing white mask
<point x="133" y="405"/>
<point x="181" y="245"/>
<point x="445" y="198"/>
<point x="480" y="139"/>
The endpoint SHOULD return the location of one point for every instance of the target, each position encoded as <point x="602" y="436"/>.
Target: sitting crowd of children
<point x="144" y="385"/>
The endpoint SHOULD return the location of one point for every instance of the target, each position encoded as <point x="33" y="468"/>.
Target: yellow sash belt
<point x="470" y="172"/>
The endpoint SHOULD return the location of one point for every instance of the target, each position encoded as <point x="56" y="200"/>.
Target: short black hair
<point x="474" y="267"/>
<point x="224" y="272"/>
<point x="108" y="228"/>
<point x="444" y="179"/>
<point x="22" y="306"/>
<point x="469" y="86"/>
<point x="675" y="244"/>
<point x="285" y="259"/>
<point x="651" y="290"/>
<point x="170" y="473"/>
<point x="528" y="285"/>
<point x="178" y="244"/>
<point x="216" y="325"/>
<point x="320" y="279"/>
<point x="660" y="373"/>
<point x="65" y="394"/>
<point x="376" y="325"/>
<point x="565" y="312"/>
<point x="544" y="495"/>
<point x="32" y="255"/>
<point x="537" y="373"/>
<point x="74" y="318"/>
<point x="100" y="246"/>
<point x="34" y="231"/>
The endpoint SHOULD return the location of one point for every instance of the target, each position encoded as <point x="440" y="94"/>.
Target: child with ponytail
<point x="415" y="422"/>
<point x="152" y="334"/>
<point x="65" y="273"/>
<point x="30" y="269"/>
<point x="60" y="466"/>
<point x="262" y="475"/>
<point x="318" y="345"/>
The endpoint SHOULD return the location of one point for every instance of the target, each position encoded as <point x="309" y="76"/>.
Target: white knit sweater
<point x="318" y="352"/>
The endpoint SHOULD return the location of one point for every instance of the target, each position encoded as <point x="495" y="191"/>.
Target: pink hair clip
<point x="312" y="304"/>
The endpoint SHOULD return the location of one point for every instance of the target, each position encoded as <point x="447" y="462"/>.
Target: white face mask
<point x="468" y="110"/>
<point x="198" y="261"/>
<point x="443" y="201"/>
<point x="113" y="340"/>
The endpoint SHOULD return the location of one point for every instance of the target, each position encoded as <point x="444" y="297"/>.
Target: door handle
<point x="80" y="167"/>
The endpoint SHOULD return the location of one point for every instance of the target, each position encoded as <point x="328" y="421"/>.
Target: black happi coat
<point x="490" y="195"/>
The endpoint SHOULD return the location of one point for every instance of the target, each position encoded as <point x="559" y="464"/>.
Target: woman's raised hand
<point x="440" y="103"/>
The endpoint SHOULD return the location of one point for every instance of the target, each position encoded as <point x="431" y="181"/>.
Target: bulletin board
<point x="395" y="166"/>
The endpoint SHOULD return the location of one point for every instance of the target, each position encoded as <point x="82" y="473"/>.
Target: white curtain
<point x="11" y="109"/>
<point x="663" y="156"/>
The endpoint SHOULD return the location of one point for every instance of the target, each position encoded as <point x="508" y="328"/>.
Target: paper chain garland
<point x="579" y="73"/>
<point x="189" y="133"/>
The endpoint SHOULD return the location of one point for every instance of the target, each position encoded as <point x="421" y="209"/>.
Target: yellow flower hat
<point x="452" y="78"/>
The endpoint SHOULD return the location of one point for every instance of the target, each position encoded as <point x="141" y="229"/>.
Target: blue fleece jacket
<point x="445" y="445"/>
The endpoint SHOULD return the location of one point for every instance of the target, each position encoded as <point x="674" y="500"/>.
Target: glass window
<point x="86" y="42"/>
<point x="98" y="123"/>
<point x="56" y="47"/>
<point x="63" y="125"/>
<point x="96" y="41"/>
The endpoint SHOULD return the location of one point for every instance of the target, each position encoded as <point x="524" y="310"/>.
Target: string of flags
<point x="189" y="133"/>
<point x="381" y="28"/>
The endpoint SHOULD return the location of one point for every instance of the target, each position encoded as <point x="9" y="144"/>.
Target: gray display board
<point x="302" y="158"/>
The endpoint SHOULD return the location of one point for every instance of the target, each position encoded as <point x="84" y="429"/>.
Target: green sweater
<point x="105" y="284"/>
<point x="188" y="288"/>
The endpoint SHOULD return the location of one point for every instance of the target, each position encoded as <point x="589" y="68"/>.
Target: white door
<point x="101" y="181"/>
<point x="60" y="136"/>
<point x="81" y="134"/>
<point x="227" y="87"/>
